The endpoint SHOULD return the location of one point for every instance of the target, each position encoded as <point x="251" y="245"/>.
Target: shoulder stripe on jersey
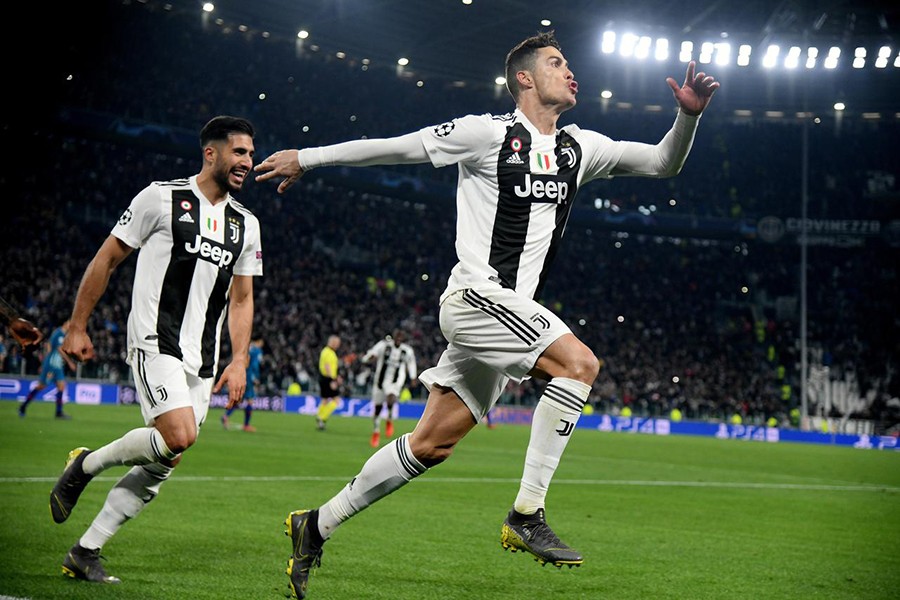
<point x="241" y="208"/>
<point x="516" y="324"/>
<point x="173" y="183"/>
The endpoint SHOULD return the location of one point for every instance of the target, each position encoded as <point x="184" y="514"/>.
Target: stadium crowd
<point x="708" y="326"/>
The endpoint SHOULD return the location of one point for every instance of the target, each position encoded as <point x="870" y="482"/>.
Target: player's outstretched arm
<point x="290" y="165"/>
<point x="694" y="95"/>
<point x="77" y="344"/>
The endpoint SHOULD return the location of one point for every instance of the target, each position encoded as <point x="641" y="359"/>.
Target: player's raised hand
<point x="283" y="164"/>
<point x="696" y="92"/>
<point x="77" y="345"/>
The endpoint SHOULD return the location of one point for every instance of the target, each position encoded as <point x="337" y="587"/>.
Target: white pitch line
<point x="586" y="482"/>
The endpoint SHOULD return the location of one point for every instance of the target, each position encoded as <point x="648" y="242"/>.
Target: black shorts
<point x="326" y="389"/>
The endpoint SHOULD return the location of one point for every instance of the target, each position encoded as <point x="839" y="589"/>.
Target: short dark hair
<point x="219" y="128"/>
<point x="522" y="58"/>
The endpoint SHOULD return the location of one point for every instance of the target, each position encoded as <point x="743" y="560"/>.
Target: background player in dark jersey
<point x="518" y="176"/>
<point x="199" y="252"/>
<point x="53" y="369"/>
<point x="253" y="374"/>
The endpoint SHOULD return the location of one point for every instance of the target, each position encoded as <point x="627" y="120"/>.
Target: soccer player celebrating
<point x="394" y="362"/>
<point x="200" y="250"/>
<point x="518" y="176"/>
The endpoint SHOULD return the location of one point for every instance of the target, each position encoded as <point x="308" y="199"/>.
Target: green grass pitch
<point x="655" y="517"/>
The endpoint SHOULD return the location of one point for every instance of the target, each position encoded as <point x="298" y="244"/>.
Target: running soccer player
<point x="395" y="360"/>
<point x="199" y="252"/>
<point x="53" y="369"/>
<point x="518" y="177"/>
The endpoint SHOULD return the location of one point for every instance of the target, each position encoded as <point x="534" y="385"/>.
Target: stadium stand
<point x="381" y="241"/>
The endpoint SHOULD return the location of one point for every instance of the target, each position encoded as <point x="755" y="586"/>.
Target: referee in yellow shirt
<point x="329" y="381"/>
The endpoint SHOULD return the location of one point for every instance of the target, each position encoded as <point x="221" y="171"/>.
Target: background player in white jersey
<point x="199" y="252"/>
<point x="395" y="361"/>
<point x="518" y="175"/>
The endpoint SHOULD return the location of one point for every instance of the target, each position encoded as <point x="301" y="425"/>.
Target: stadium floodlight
<point x="859" y="58"/>
<point x="208" y="7"/>
<point x="897" y="61"/>
<point x="792" y="60"/>
<point x="500" y="80"/>
<point x="642" y="50"/>
<point x="884" y="53"/>
<point x="687" y="49"/>
<point x="771" y="56"/>
<point x="402" y="61"/>
<point x="834" y="53"/>
<point x="608" y="45"/>
<point x="706" y="51"/>
<point x="811" y="55"/>
<point x="606" y="94"/>
<point x="629" y="41"/>
<point x="744" y="55"/>
<point x="302" y="34"/>
<point x="839" y="106"/>
<point x="662" y="49"/>
<point x="723" y="53"/>
<point x="546" y="22"/>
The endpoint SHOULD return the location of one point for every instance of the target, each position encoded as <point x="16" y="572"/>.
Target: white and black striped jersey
<point x="189" y="250"/>
<point x="515" y="191"/>
<point x="395" y="363"/>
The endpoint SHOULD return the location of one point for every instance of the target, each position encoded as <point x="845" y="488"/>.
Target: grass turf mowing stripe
<point x="585" y="482"/>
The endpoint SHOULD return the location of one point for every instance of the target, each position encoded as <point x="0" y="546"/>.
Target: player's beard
<point x="221" y="177"/>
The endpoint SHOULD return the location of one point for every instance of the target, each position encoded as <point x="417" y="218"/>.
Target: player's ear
<point x="525" y="79"/>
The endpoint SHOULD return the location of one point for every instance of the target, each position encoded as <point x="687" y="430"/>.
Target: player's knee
<point x="584" y="366"/>
<point x="180" y="439"/>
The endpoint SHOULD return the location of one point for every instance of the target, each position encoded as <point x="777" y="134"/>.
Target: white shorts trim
<point x="495" y="335"/>
<point x="163" y="385"/>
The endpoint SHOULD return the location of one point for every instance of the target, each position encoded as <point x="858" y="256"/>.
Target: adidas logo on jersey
<point x="186" y="218"/>
<point x="515" y="159"/>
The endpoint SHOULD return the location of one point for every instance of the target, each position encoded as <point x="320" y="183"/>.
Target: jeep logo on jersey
<point x="543" y="189"/>
<point x="209" y="252"/>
